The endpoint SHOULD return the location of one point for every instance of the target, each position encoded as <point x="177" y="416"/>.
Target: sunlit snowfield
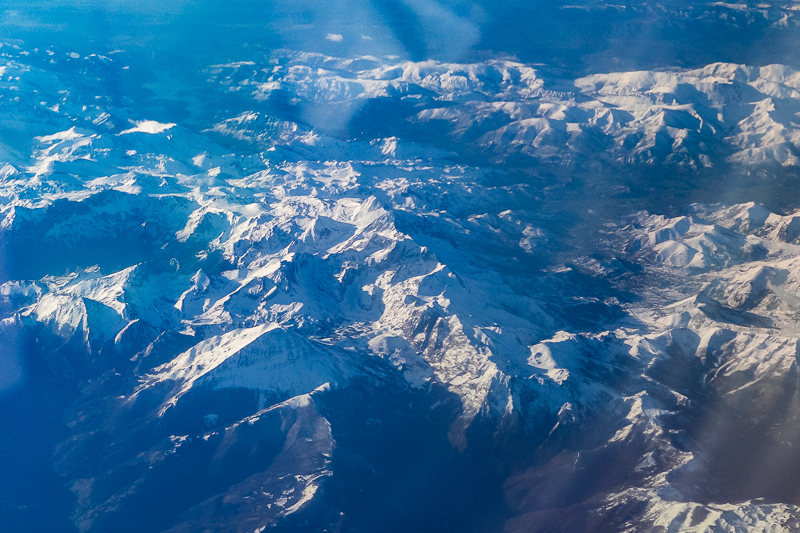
<point x="401" y="266"/>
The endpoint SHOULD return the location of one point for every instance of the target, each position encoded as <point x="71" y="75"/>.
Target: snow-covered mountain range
<point x="378" y="294"/>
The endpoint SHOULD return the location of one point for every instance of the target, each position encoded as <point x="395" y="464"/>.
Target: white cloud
<point x="335" y="37"/>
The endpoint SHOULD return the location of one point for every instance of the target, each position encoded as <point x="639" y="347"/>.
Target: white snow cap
<point x="148" y="126"/>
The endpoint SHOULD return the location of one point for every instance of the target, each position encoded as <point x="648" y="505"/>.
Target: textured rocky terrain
<point x="372" y="293"/>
